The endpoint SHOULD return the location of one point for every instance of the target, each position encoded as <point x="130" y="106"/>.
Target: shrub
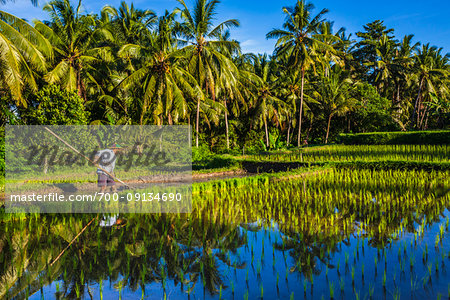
<point x="201" y="153"/>
<point x="254" y="142"/>
<point x="372" y="111"/>
<point x="53" y="106"/>
<point x="397" y="138"/>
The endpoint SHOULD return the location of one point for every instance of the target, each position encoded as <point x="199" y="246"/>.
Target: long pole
<point x="84" y="156"/>
<point x="73" y="240"/>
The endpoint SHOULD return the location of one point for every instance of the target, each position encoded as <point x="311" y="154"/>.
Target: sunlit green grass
<point x="343" y="153"/>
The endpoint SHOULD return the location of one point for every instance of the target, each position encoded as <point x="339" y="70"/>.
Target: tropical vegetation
<point x="130" y="66"/>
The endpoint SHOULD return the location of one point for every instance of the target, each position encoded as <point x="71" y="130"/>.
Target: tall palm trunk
<point x="426" y="121"/>
<point x="309" y="128"/>
<point x="416" y="105"/>
<point x="301" y="109"/>
<point x="267" y="132"/>
<point x="189" y="130"/>
<point x="328" y="128"/>
<point x="197" y="122"/>
<point x="425" y="112"/>
<point x="289" y="131"/>
<point x="226" y="123"/>
<point x="141" y="118"/>
<point x="81" y="90"/>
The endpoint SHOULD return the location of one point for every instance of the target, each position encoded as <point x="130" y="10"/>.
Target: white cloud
<point x="249" y="43"/>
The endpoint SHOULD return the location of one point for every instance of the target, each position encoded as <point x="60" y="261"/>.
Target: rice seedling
<point x="342" y="285"/>
<point x="100" y="287"/>
<point x="371" y="290"/>
<point x="331" y="288"/>
<point x="411" y="262"/>
<point x="77" y="290"/>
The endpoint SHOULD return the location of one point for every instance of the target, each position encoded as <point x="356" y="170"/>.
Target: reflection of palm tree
<point x="159" y="250"/>
<point x="307" y="247"/>
<point x="205" y="247"/>
<point x="27" y="258"/>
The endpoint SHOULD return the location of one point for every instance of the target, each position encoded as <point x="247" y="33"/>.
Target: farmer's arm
<point x="96" y="157"/>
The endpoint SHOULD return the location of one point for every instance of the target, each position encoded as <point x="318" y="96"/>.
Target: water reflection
<point x="255" y="238"/>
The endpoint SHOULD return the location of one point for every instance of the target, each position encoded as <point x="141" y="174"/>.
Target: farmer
<point x="106" y="160"/>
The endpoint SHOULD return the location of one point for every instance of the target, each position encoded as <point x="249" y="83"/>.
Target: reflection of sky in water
<point x="268" y="264"/>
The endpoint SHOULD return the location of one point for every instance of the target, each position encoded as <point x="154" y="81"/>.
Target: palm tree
<point x="123" y="25"/>
<point x="235" y="88"/>
<point x="23" y="50"/>
<point x="429" y="72"/>
<point x="268" y="105"/>
<point x="385" y="67"/>
<point x="130" y="25"/>
<point x="330" y="46"/>
<point x="74" y="38"/>
<point x="166" y="84"/>
<point x="205" y="61"/>
<point x="298" y="41"/>
<point x="289" y="87"/>
<point x="403" y="62"/>
<point x="333" y="95"/>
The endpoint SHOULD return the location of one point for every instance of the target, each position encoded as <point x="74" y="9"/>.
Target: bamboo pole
<point x="73" y="240"/>
<point x="85" y="157"/>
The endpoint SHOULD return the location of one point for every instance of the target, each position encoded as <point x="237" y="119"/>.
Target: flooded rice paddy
<point x="334" y="234"/>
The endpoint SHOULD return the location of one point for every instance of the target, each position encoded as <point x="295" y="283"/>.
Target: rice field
<point x="366" y="153"/>
<point x="327" y="233"/>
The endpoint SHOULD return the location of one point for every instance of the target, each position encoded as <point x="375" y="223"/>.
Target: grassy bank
<point x="441" y="137"/>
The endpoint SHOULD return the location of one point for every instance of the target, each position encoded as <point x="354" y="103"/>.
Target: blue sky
<point x="428" y="20"/>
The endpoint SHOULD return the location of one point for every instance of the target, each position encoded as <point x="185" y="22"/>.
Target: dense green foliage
<point x="56" y="107"/>
<point x="130" y="66"/>
<point x="373" y="157"/>
<point x="378" y="218"/>
<point x="2" y="152"/>
<point x="441" y="137"/>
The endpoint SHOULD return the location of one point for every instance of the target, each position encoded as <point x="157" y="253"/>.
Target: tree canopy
<point x="125" y="65"/>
